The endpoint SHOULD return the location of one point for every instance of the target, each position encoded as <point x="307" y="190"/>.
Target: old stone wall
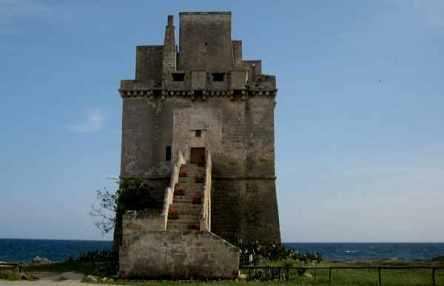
<point x="179" y="255"/>
<point x="258" y="198"/>
<point x="146" y="131"/>
<point x="234" y="114"/>
<point x="240" y="137"/>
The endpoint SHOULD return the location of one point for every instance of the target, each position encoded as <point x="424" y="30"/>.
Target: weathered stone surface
<point x="205" y="41"/>
<point x="240" y="135"/>
<point x="203" y="96"/>
<point x="177" y="255"/>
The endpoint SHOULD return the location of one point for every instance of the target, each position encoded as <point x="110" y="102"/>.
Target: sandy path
<point x="44" y="283"/>
<point x="51" y="279"/>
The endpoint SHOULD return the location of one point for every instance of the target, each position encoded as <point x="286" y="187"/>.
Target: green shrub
<point x="135" y="194"/>
<point x="9" y="275"/>
<point x="273" y="253"/>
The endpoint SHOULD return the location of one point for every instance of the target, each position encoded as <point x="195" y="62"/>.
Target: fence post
<point x="329" y="275"/>
<point x="379" y="277"/>
<point x="434" y="276"/>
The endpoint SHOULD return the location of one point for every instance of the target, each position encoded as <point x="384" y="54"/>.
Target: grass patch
<point x="311" y="277"/>
<point x="84" y="267"/>
<point x="11" y="275"/>
<point x="319" y="277"/>
<point x="362" y="277"/>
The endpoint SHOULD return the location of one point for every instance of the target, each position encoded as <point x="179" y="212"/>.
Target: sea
<point x="24" y="250"/>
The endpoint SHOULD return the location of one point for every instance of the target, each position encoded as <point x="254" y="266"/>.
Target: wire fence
<point x="350" y="275"/>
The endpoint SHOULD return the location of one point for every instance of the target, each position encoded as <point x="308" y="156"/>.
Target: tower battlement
<point x="207" y="62"/>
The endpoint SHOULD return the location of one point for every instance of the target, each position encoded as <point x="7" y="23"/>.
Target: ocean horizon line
<point x="284" y="242"/>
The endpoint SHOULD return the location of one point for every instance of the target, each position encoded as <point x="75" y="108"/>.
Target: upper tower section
<point x="206" y="62"/>
<point x="205" y="41"/>
<point x="169" y="51"/>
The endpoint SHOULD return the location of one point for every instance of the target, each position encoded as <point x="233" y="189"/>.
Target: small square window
<point x="168" y="153"/>
<point x="218" y="76"/>
<point x="178" y="76"/>
<point x="198" y="133"/>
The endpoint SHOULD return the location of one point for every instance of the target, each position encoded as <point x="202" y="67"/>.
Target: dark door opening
<point x="197" y="156"/>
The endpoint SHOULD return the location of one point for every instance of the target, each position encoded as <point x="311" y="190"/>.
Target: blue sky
<point x="359" y="120"/>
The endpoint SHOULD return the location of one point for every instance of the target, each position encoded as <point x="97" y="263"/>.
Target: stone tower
<point x="203" y="98"/>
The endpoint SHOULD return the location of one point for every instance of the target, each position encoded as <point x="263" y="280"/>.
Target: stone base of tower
<point x="177" y="255"/>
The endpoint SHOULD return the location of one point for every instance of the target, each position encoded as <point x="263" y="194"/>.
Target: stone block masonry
<point x="176" y="255"/>
<point x="198" y="97"/>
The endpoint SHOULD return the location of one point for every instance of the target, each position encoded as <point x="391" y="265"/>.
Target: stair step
<point x="176" y="228"/>
<point x="188" y="211"/>
<point x="189" y="216"/>
<point x="183" y="222"/>
<point x="181" y="228"/>
<point x="190" y="170"/>
<point x="188" y="189"/>
<point x="192" y="167"/>
<point x="189" y="183"/>
<point x="182" y="205"/>
<point x="184" y="199"/>
<point x="185" y="219"/>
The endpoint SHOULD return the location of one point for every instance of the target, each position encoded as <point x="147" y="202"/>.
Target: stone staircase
<point x="185" y="211"/>
<point x="176" y="243"/>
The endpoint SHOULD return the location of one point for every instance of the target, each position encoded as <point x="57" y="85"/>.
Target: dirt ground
<point x="50" y="279"/>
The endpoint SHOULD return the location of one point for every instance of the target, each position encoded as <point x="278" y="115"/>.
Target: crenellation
<point x="169" y="51"/>
<point x="149" y="64"/>
<point x="237" y="53"/>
